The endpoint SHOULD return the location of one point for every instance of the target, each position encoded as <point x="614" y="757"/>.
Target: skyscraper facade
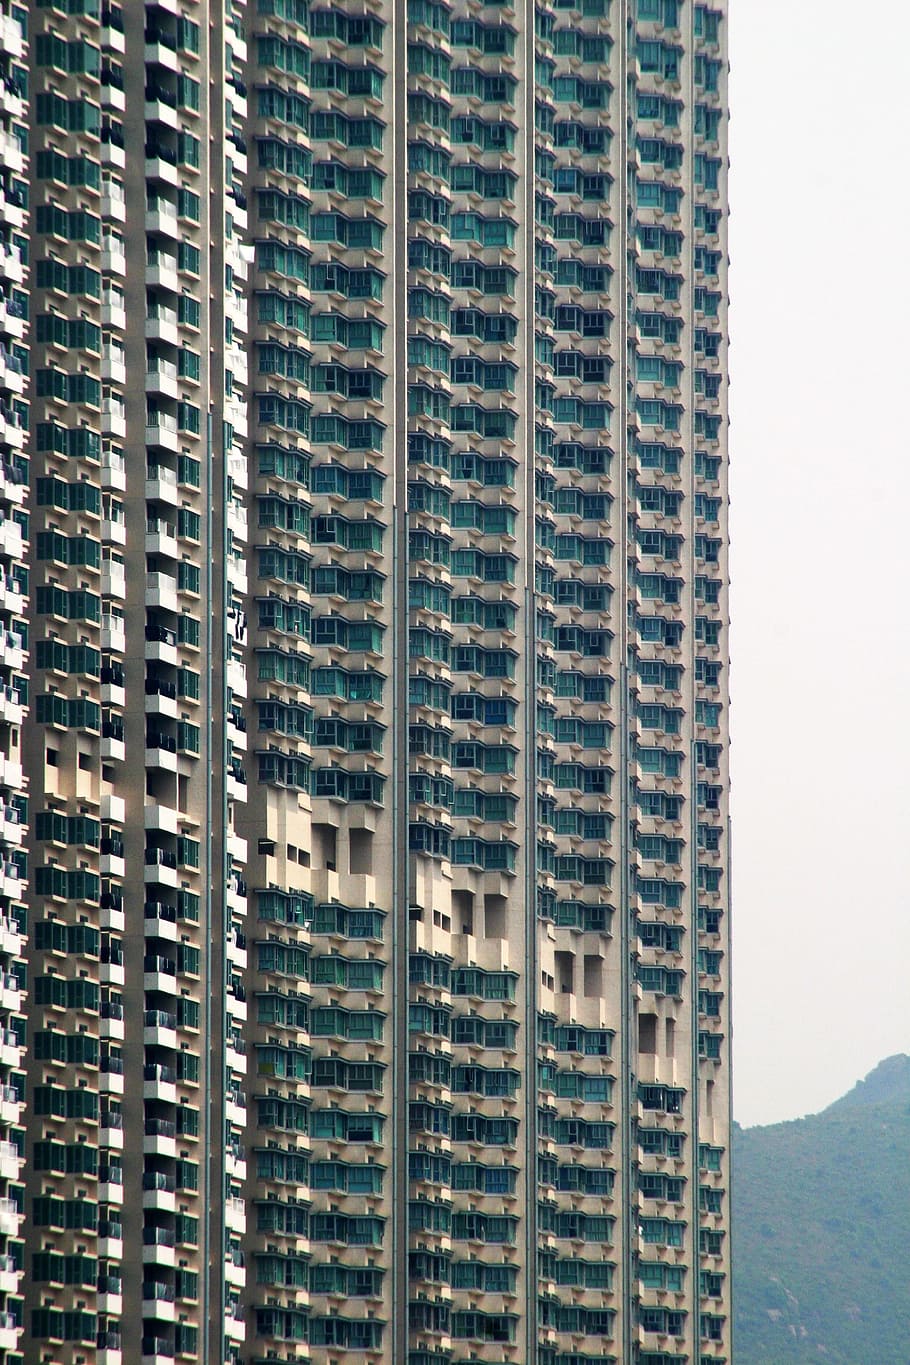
<point x="364" y="894"/>
<point x="14" y="608"/>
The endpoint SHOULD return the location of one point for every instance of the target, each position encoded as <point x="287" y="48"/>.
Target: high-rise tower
<point x="377" y="986"/>
<point x="14" y="626"/>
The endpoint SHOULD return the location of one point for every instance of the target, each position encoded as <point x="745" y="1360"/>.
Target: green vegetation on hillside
<point x="821" y="1232"/>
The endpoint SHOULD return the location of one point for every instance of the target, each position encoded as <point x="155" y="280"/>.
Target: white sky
<point x="820" y="322"/>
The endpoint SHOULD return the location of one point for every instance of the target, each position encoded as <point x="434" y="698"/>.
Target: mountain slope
<point x="889" y="1083"/>
<point x="821" y="1228"/>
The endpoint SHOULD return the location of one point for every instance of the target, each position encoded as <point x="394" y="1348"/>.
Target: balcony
<point x="112" y="917"/>
<point x="10" y="36"/>
<point x="112" y="973"/>
<point x="113" y="579"/>
<point x="238" y="97"/>
<point x="113" y="418"/>
<point x="161" y="538"/>
<point x="112" y="96"/>
<point x="234" y="1060"/>
<point x="112" y="856"/>
<point x="236" y="678"/>
<point x="113" y="632"/>
<point x="159" y="1029"/>
<point x="161" y="272"/>
<point x="161" y="50"/>
<point x="10" y="1218"/>
<point x="161" y="325"/>
<point x="158" y="1246"/>
<point x="11" y="885"/>
<point x="235" y="1113"/>
<point x="236" y="951"/>
<point x="235" y="1275"/>
<point x="238" y="736"/>
<point x="236" y="1007"/>
<point x="113" y="40"/>
<point x="159" y="1083"/>
<point x="161" y="432"/>
<point x="112" y="1021"/>
<point x="112" y="151"/>
<point x="113" y="530"/>
<point x="110" y="1236"/>
<point x="236" y="847"/>
<point x="160" y="1138"/>
<point x="236" y="412"/>
<point x="161" y="217"/>
<point x="160" y="644"/>
<point x="12" y="209"/>
<point x="161" y="484"/>
<point x="234" y="1328"/>
<point x="11" y="596"/>
<point x="113" y="366"/>
<point x="237" y="575"/>
<point x="10" y="826"/>
<point x="9" y="1332"/>
<point x="11" y="711"/>
<point x="161" y="379"/>
<point x="235" y="1215"/>
<point x="157" y="1350"/>
<point x="160" y="974"/>
<point x="235" y="897"/>
<point x="161" y="166"/>
<point x="10" y="936"/>
<point x="109" y="1083"/>
<point x="113" y="256"/>
<point x="159" y="1192"/>
<point x="10" y="993"/>
<point x="11" y="153"/>
<point x="237" y="521"/>
<point x="10" y="772"/>
<point x="11" y="432"/>
<point x="163" y="819"/>
<point x="11" y="102"/>
<point x="161" y="701"/>
<point x="113" y="310"/>
<point x="12" y="653"/>
<point x="9" y="1276"/>
<point x="161" y="592"/>
<point x="113" y="472"/>
<point x="113" y="201"/>
<point x="109" y="1301"/>
<point x="10" y="1160"/>
<point x="11" y="375"/>
<point x="238" y="471"/>
<point x="234" y="1165"/>
<point x="12" y="319"/>
<point x="10" y="1055"/>
<point x="161" y="752"/>
<point x="110" y="1184"/>
<point x="10" y="538"/>
<point x="158" y="1303"/>
<point x="112" y="745"/>
<point x="11" y="267"/>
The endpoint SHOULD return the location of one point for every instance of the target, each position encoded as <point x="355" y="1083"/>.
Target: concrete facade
<point x="377" y="754"/>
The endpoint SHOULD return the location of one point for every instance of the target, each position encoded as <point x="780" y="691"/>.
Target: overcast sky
<point x="820" y="322"/>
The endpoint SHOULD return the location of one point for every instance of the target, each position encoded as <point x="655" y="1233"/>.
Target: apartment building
<point x="364" y="541"/>
<point x="14" y="604"/>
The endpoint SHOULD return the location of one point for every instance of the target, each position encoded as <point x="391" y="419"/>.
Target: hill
<point x="821" y="1228"/>
<point x="889" y="1083"/>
